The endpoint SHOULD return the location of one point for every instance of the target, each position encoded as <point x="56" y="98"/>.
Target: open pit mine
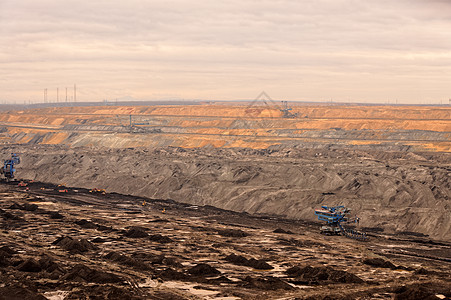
<point x="225" y="201"/>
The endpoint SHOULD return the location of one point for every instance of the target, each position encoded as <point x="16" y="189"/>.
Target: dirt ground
<point x="217" y="202"/>
<point x="73" y="243"/>
<point x="391" y="192"/>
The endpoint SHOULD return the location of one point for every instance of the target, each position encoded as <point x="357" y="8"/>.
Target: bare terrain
<point x="390" y="191"/>
<point x="217" y="202"/>
<point x="84" y="244"/>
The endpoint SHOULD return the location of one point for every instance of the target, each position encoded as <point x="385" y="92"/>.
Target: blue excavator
<point x="336" y="216"/>
<point x="8" y="168"/>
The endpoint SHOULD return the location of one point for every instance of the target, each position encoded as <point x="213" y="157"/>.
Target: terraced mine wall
<point x="229" y="126"/>
<point x="391" y="165"/>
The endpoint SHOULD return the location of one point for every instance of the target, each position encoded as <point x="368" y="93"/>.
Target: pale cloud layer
<point x="345" y="50"/>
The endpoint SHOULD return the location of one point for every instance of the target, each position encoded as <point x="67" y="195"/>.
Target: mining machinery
<point x="8" y="166"/>
<point x="286" y="111"/>
<point x="335" y="217"/>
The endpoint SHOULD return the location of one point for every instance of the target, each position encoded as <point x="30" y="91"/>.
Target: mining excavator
<point x="8" y="166"/>
<point x="334" y="217"/>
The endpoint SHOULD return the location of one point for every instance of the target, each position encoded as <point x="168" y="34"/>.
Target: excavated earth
<point x="392" y="192"/>
<point x="389" y="164"/>
<point x="59" y="242"/>
<point x="217" y="202"/>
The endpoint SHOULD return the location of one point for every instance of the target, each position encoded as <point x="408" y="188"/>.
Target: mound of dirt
<point x="101" y="292"/>
<point x="82" y="273"/>
<point x="30" y="265"/>
<point x="29" y="207"/>
<point x="126" y="260"/>
<point x="5" y="254"/>
<point x="379" y="263"/>
<point x="86" y="224"/>
<point x="55" y="215"/>
<point x="15" y="206"/>
<point x="253" y="263"/>
<point x="203" y="270"/>
<point x="45" y="263"/>
<point x="171" y="274"/>
<point x="160" y="238"/>
<point x="9" y="216"/>
<point x="280" y="230"/>
<point x="236" y="259"/>
<point x="426" y="291"/>
<point x="315" y="275"/>
<point x="49" y="265"/>
<point x="4" y="259"/>
<point x="167" y="295"/>
<point x="17" y="292"/>
<point x="7" y="250"/>
<point x="136" y="232"/>
<point x="232" y="233"/>
<point x="74" y="245"/>
<point x="266" y="283"/>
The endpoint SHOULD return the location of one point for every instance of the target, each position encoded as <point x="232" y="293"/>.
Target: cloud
<point x="360" y="50"/>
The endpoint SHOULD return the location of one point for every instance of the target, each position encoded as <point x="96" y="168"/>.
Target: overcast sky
<point x="344" y="50"/>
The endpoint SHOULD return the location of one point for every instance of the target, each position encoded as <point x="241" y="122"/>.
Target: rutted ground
<point x="390" y="191"/>
<point x="79" y="244"/>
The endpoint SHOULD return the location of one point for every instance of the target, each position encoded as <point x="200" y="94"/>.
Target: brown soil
<point x="61" y="259"/>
